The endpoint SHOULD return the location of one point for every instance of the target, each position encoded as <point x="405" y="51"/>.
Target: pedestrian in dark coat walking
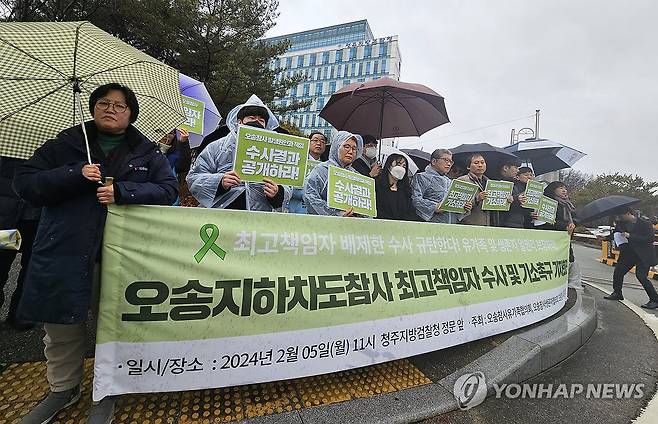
<point x="62" y="274"/>
<point x="638" y="253"/>
<point x="17" y="214"/>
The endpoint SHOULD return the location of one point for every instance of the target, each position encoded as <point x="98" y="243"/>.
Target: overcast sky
<point x="590" y="66"/>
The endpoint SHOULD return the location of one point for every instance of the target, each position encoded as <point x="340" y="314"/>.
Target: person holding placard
<point x="477" y="166"/>
<point x="566" y="211"/>
<point x="317" y="146"/>
<point x="345" y="148"/>
<point x="430" y="188"/>
<point x="517" y="216"/>
<point x="214" y="183"/>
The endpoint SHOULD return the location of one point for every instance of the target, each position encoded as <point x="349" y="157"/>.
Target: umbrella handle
<point x="78" y="103"/>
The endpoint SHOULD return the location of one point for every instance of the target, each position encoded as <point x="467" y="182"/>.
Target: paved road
<point x="621" y="350"/>
<point x="601" y="274"/>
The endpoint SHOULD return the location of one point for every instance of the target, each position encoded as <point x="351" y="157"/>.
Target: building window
<point x="332" y="87"/>
<point x="361" y="80"/>
<point x="293" y="92"/>
<point x="327" y="134"/>
<point x="320" y="104"/>
<point x="288" y="63"/>
<point x="307" y="108"/>
<point x="319" y="71"/>
<point x="367" y="51"/>
<point x="354" y="69"/>
<point x="384" y="66"/>
<point x="313" y="121"/>
<point x="360" y="68"/>
<point x="375" y="69"/>
<point x="318" y="88"/>
<point x="331" y="73"/>
<point x="346" y="82"/>
<point x="311" y="61"/>
<point x="339" y="56"/>
<point x="353" y="53"/>
<point x="307" y="89"/>
<point x="367" y="68"/>
<point x="383" y="50"/>
<point x="325" y="58"/>
<point x="300" y="61"/>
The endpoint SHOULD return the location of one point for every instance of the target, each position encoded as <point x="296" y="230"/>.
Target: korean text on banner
<point x="198" y="298"/>
<point x="534" y="190"/>
<point x="261" y="153"/>
<point x="547" y="209"/>
<point x="350" y="190"/>
<point x="497" y="194"/>
<point x="459" y="193"/>
<point x="194" y="111"/>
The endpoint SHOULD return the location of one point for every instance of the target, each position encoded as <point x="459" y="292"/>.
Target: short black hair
<point x="254" y="111"/>
<point x="623" y="210"/>
<point x="369" y="139"/>
<point x="131" y="99"/>
<point x="470" y="158"/>
<point x="549" y="191"/>
<point x="510" y="161"/>
<point x="310" y="136"/>
<point x="524" y="169"/>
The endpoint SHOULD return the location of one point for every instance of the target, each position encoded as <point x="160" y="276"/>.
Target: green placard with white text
<point x="534" y="190"/>
<point x="497" y="194"/>
<point x="459" y="193"/>
<point x="194" y="110"/>
<point x="547" y="209"/>
<point x="350" y="190"/>
<point x="261" y="153"/>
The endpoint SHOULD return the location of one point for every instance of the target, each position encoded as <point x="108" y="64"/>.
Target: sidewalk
<point x="399" y="391"/>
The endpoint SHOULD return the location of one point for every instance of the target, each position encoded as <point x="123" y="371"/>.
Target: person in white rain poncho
<point x="345" y="149"/>
<point x="429" y="188"/>
<point x="212" y="180"/>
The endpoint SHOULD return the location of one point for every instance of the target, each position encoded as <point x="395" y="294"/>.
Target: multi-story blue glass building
<point x="331" y="58"/>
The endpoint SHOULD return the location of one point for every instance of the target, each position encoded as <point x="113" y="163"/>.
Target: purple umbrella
<point x="201" y="112"/>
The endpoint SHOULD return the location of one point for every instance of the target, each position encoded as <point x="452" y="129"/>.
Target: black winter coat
<point x="640" y="240"/>
<point x="12" y="207"/>
<point x="58" y="283"/>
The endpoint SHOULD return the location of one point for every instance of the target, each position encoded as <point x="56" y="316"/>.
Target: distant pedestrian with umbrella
<point x="63" y="271"/>
<point x="639" y="253"/>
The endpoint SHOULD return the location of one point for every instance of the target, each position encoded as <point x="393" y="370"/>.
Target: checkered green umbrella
<point x="41" y="63"/>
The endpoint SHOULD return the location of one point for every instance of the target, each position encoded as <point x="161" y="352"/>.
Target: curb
<point x="519" y="358"/>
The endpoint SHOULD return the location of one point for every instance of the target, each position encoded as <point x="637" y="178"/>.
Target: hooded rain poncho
<point x="205" y="176"/>
<point x="315" y="186"/>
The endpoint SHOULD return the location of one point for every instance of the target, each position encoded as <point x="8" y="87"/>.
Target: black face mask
<point x="254" y="124"/>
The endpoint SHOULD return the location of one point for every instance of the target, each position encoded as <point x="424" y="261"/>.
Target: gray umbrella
<point x="494" y="156"/>
<point x="545" y="155"/>
<point x="385" y="108"/>
<point x="605" y="206"/>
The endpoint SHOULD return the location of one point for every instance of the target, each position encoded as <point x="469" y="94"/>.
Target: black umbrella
<point x="420" y="158"/>
<point x="494" y="156"/>
<point x="605" y="206"/>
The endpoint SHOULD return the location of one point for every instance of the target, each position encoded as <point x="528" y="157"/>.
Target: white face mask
<point x="398" y="172"/>
<point x="163" y="147"/>
<point x="371" y="152"/>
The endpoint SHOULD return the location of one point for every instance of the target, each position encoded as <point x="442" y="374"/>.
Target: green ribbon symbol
<point x="209" y="243"/>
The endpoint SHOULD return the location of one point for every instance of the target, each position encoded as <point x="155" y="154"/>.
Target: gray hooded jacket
<point x="428" y="189"/>
<point x="315" y="186"/>
<point x="205" y="176"/>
